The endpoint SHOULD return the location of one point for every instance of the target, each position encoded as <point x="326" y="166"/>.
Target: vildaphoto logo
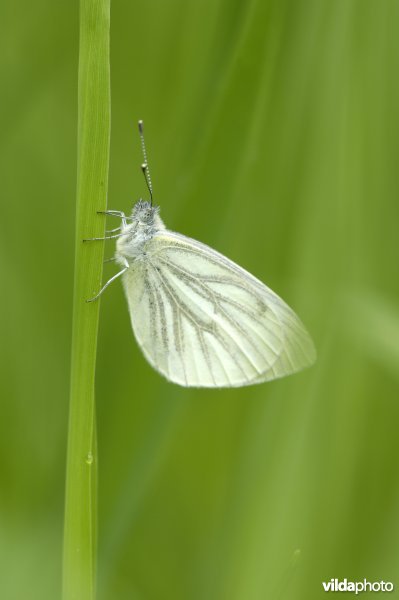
<point x="335" y="585"/>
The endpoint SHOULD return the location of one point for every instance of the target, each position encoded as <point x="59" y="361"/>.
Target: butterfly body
<point x="135" y="235"/>
<point x="200" y="319"/>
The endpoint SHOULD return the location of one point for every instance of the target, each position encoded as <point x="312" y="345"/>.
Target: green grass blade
<point x="92" y="183"/>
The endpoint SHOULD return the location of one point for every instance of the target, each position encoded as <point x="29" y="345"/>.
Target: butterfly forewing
<point x="203" y="321"/>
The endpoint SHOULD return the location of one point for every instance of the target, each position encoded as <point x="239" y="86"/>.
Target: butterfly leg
<point x="115" y="213"/>
<point x="109" y="282"/>
<point x="113" y="230"/>
<point x="107" y="237"/>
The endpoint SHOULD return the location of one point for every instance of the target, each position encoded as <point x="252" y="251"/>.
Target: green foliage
<point x="272" y="135"/>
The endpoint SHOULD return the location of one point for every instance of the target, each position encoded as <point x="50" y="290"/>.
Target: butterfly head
<point x="146" y="217"/>
<point x="144" y="213"/>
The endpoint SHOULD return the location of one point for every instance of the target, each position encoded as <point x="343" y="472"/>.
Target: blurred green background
<point x="273" y="135"/>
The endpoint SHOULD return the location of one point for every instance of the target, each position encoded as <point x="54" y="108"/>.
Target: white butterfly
<point x="200" y="319"/>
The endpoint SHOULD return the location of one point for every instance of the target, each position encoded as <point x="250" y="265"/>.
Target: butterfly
<point x="200" y="319"/>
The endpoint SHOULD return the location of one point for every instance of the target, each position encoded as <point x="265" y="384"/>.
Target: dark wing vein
<point x="218" y="298"/>
<point x="201" y="327"/>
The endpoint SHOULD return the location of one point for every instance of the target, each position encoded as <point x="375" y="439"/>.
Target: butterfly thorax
<point x="135" y="235"/>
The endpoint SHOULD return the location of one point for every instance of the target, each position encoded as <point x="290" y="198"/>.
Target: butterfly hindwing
<point x="203" y="321"/>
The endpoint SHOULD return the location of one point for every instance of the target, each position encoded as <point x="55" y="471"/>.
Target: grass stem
<point x="80" y="527"/>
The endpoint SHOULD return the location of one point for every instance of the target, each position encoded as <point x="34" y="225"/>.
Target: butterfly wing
<point x="203" y="321"/>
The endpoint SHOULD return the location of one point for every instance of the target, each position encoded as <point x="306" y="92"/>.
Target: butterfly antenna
<point x="144" y="166"/>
